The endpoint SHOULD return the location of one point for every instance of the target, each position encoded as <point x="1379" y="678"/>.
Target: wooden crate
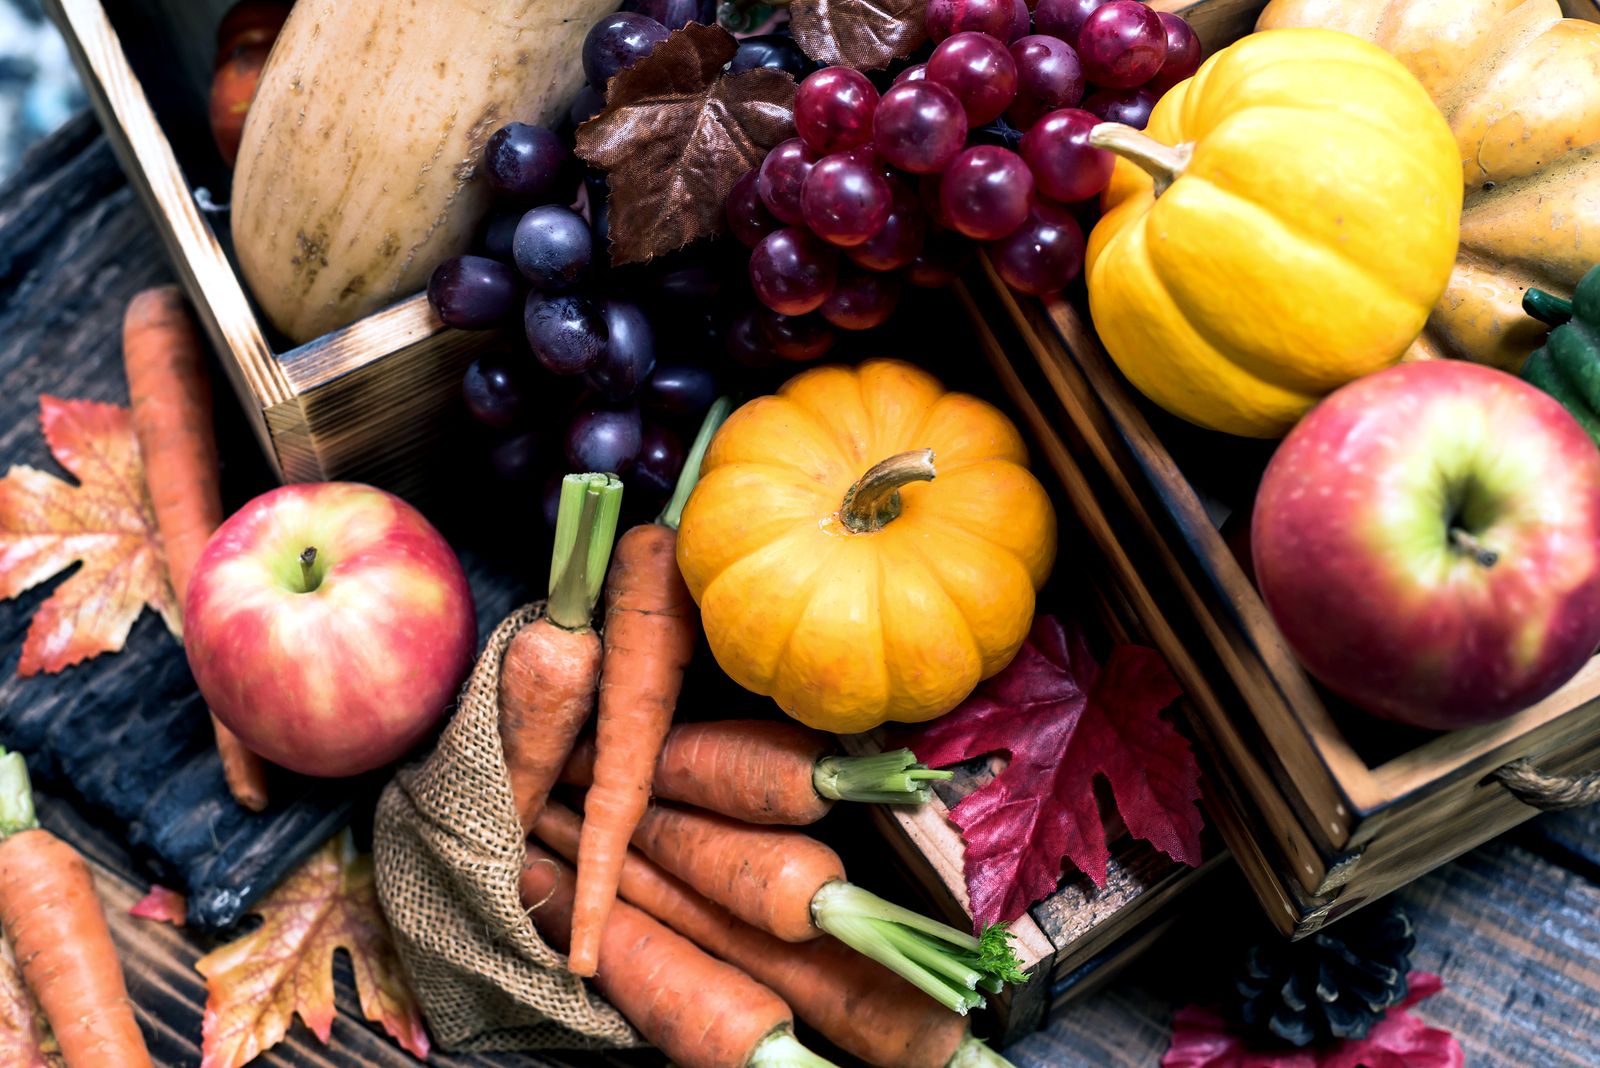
<point x="1327" y="808"/>
<point x="1077" y="939"/>
<point x="374" y="401"/>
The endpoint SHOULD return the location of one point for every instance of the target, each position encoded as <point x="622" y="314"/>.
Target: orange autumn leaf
<point x="25" y="1041"/>
<point x="105" y="523"/>
<point x="255" y="985"/>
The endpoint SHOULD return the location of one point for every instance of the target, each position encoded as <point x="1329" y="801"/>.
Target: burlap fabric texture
<point x="449" y="849"/>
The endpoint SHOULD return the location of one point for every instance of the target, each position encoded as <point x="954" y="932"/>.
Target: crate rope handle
<point x="1548" y="792"/>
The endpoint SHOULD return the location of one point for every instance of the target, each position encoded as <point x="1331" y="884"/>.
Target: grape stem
<point x="1164" y="163"/>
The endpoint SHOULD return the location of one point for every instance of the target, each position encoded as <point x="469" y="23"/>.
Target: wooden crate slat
<point x="1218" y="726"/>
<point x="153" y="170"/>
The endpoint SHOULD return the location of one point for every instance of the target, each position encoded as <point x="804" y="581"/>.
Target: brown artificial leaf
<point x="256" y="984"/>
<point x="864" y="34"/>
<point x="676" y="133"/>
<point x="105" y="522"/>
<point x="25" y="1039"/>
<point x="162" y="905"/>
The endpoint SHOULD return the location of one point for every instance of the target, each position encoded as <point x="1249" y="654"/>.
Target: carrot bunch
<point x="701" y="1012"/>
<point x="57" y="929"/>
<point x="857" y="1005"/>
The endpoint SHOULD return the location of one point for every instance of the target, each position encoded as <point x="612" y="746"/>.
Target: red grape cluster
<point x="987" y="140"/>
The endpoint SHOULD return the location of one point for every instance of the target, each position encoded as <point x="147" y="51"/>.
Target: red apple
<point x="1428" y="539"/>
<point x="328" y="625"/>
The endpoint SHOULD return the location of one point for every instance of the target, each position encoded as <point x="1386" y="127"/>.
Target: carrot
<point x="794" y="887"/>
<point x="859" y="1006"/>
<point x="651" y="628"/>
<point x="170" y="393"/>
<point x="701" y="1012"/>
<point x="57" y="930"/>
<point x="550" y="669"/>
<point x="769" y="771"/>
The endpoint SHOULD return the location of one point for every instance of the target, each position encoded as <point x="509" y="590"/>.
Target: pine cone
<point x="1335" y="984"/>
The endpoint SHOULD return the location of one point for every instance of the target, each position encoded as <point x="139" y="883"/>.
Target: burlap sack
<point x="448" y="849"/>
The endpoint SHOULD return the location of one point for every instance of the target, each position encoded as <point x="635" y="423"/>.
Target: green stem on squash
<point x="874" y="500"/>
<point x="585" y="528"/>
<point x="1164" y="163"/>
<point x="16" y="796"/>
<point x="893" y="778"/>
<point x="1547" y="307"/>
<point x="973" y="1053"/>
<point x="948" y="965"/>
<point x="689" y="477"/>
<point x="782" y="1050"/>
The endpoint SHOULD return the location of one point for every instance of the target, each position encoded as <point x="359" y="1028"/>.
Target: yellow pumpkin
<point x="865" y="546"/>
<point x="1283" y="225"/>
<point x="1520" y="87"/>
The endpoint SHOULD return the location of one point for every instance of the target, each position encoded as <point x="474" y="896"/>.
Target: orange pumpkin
<point x="865" y="546"/>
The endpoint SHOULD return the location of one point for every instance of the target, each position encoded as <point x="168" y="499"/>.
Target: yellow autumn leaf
<point x="256" y="984"/>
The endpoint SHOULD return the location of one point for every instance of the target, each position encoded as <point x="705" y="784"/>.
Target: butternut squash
<point x="1520" y="88"/>
<point x="358" y="168"/>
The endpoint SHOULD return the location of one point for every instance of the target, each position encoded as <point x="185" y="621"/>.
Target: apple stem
<point x="308" y="576"/>
<point x="1466" y="543"/>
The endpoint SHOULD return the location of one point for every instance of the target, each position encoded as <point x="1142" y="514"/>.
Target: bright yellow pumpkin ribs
<point x="865" y="546"/>
<point x="1283" y="225"/>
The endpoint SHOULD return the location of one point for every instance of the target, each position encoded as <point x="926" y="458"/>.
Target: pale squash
<point x="358" y="168"/>
<point x="1283" y="225"/>
<point x="1520" y="88"/>
<point x="865" y="546"/>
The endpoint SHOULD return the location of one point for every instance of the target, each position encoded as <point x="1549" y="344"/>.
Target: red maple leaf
<point x="1201" y="1038"/>
<point x="162" y="905"/>
<point x="1063" y="719"/>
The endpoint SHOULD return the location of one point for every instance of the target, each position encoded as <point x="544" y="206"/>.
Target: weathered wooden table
<point x="1514" y="928"/>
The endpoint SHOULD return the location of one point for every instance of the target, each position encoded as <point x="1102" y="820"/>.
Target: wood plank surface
<point x="1514" y="928"/>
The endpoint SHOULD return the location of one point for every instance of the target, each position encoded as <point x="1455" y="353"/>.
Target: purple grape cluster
<point x="578" y="385"/>
<point x="987" y="141"/>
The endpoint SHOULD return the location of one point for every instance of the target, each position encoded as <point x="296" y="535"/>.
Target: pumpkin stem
<point x="1164" y="163"/>
<point x="875" y="498"/>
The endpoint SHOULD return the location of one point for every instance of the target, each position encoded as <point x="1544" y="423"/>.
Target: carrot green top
<point x="16" y="796"/>
<point x="585" y="528"/>
<point x="690" y="475"/>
